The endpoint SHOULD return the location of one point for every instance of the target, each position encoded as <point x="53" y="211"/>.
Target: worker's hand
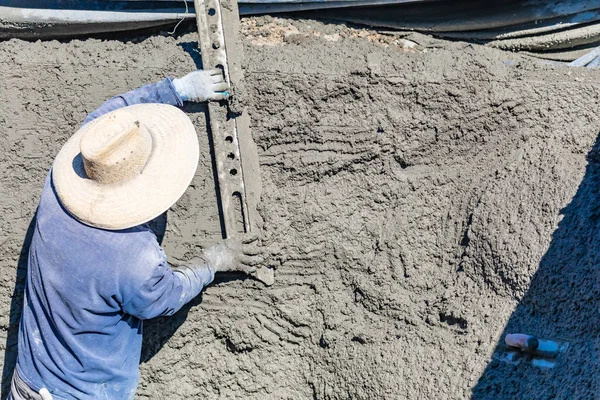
<point x="202" y="85"/>
<point x="241" y="254"/>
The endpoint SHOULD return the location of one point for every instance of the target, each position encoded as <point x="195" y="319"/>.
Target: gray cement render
<point x="417" y="206"/>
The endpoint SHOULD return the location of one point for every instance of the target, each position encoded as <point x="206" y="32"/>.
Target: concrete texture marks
<point x="418" y="206"/>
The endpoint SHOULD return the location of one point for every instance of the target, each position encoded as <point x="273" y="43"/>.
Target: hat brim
<point x="163" y="181"/>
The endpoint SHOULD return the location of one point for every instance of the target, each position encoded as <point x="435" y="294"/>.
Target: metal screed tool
<point x="236" y="157"/>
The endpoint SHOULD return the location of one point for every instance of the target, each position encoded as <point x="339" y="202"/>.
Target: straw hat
<point x="127" y="167"/>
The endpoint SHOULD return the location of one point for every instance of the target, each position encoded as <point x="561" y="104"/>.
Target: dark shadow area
<point x="562" y="303"/>
<point x="200" y="107"/>
<point x="114" y="20"/>
<point x="159" y="226"/>
<point x="139" y="35"/>
<point x="211" y="146"/>
<point x="127" y="36"/>
<point x="192" y="49"/>
<point x="16" y="309"/>
<point x="158" y="331"/>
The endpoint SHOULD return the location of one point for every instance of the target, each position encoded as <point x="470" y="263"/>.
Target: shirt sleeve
<point x="167" y="290"/>
<point x="162" y="92"/>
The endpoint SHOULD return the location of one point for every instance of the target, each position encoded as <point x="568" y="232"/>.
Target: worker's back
<point x="77" y="337"/>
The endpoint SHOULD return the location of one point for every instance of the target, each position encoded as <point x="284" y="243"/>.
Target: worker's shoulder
<point x="129" y="257"/>
<point x="139" y="244"/>
<point x="131" y="250"/>
<point x="138" y="259"/>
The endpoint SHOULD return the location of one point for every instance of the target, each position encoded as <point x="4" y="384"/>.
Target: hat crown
<point x="116" y="150"/>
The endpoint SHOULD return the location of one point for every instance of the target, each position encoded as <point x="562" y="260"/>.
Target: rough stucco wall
<point x="408" y="198"/>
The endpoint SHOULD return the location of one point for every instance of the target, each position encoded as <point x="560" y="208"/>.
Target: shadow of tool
<point x="16" y="309"/>
<point x="192" y="49"/>
<point x="562" y="304"/>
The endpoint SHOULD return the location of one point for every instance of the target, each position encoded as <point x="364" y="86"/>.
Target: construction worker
<point x="96" y="269"/>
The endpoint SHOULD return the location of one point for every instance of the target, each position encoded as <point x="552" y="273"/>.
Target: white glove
<point x="202" y="85"/>
<point x="240" y="253"/>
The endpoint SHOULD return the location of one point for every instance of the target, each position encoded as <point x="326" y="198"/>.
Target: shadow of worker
<point x="562" y="303"/>
<point x="158" y="331"/>
<point x="16" y="309"/>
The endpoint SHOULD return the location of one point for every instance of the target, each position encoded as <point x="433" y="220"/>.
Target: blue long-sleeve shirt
<point x="89" y="289"/>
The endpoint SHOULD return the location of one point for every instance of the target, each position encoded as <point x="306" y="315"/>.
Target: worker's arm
<point x="167" y="290"/>
<point x="197" y="86"/>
